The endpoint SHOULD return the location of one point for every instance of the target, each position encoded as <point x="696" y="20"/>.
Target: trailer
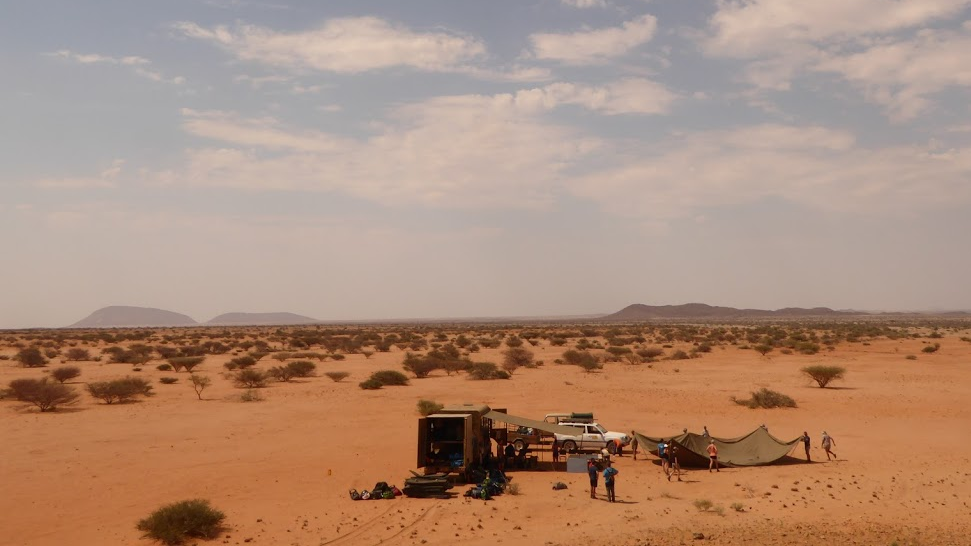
<point x="454" y="440"/>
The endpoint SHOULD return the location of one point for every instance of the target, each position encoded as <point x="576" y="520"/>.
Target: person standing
<point x="712" y="456"/>
<point x="806" y="442"/>
<point x="609" y="474"/>
<point x="633" y="444"/>
<point x="673" y="460"/>
<point x="828" y="444"/>
<point x="556" y="453"/>
<point x="705" y="434"/>
<point x="594" y="473"/>
<point x="662" y="452"/>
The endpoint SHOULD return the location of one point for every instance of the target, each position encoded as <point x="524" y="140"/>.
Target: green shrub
<point x="583" y="359"/>
<point x="250" y="378"/>
<point x="481" y="371"/>
<point x="168" y="380"/>
<point x="164" y="367"/>
<point x="679" y="355"/>
<point x="64" y="373"/>
<point x="43" y="393"/>
<point x="390" y="377"/>
<point x="302" y="368"/>
<point x="119" y="390"/>
<point x="513" y="341"/>
<point x="764" y="398"/>
<point x="931" y="348"/>
<point x="807" y="347"/>
<point x="174" y="523"/>
<point x="823" y="375"/>
<point x="428" y="407"/>
<point x="337" y="376"/>
<point x="370" y="384"/>
<point x="763" y="349"/>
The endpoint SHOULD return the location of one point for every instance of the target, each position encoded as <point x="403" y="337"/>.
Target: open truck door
<point x="423" y="443"/>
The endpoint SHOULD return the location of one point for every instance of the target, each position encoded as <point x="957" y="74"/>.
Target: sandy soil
<point x="280" y="468"/>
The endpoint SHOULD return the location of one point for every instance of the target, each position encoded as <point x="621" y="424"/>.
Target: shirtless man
<point x="712" y="456"/>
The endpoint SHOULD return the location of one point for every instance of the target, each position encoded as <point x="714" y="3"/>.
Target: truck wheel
<point x="570" y="446"/>
<point x="519" y="444"/>
<point x="611" y="448"/>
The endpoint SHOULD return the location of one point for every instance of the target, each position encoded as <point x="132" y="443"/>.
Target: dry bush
<point x="174" y="523"/>
<point x="764" y="398"/>
<point x="823" y="375"/>
<point x="763" y="349"/>
<point x="251" y="395"/>
<point x="44" y="394"/>
<point x="679" y="355"/>
<point x="583" y="359"/>
<point x="168" y="380"/>
<point x="77" y="354"/>
<point x="931" y="348"/>
<point x="738" y="507"/>
<point x="337" y="376"/>
<point x="515" y="358"/>
<point x="428" y="407"/>
<point x="703" y="505"/>
<point x="482" y="371"/>
<point x="119" y="390"/>
<point x="30" y="357"/>
<point x="64" y="373"/>
<point x="240" y="362"/>
<point x="389" y="377"/>
<point x="421" y="366"/>
<point x="370" y="384"/>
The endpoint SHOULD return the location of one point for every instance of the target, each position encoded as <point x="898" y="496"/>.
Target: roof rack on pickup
<point x="574" y="417"/>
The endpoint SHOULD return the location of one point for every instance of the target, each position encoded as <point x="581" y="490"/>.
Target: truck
<point x="454" y="440"/>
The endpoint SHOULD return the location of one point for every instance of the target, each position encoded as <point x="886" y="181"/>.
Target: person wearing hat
<point x="828" y="444"/>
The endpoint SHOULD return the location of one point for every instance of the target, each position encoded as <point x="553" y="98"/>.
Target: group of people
<point x="828" y="443"/>
<point x="609" y="473"/>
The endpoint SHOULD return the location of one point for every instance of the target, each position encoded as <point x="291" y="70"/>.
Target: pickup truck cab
<point x="590" y="437"/>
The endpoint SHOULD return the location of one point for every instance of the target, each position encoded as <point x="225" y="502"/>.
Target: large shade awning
<point x="530" y="423"/>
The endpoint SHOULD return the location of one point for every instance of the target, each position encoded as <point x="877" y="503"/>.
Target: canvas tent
<point x="530" y="423"/>
<point x="753" y="449"/>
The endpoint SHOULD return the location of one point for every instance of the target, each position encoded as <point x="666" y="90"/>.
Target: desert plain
<point x="280" y="468"/>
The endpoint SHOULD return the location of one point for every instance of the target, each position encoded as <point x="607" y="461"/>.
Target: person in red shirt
<point x="712" y="456"/>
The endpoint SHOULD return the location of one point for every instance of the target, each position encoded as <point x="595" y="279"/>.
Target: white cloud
<point x="753" y="28"/>
<point x="630" y="96"/>
<point x="593" y="46"/>
<point x="137" y="64"/>
<point x="901" y="76"/>
<point x="105" y="179"/>
<point x="812" y="166"/>
<point x="347" y="45"/>
<point x="583" y="4"/>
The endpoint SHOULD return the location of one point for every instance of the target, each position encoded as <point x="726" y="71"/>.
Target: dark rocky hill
<point x="640" y="311"/>
<point x="121" y="316"/>
<point x="258" y="319"/>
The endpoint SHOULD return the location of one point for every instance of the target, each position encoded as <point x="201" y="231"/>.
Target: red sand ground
<point x="280" y="469"/>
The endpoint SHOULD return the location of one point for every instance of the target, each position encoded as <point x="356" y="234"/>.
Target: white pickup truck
<point x="589" y="437"/>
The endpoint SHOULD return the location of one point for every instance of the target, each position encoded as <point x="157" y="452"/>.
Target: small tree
<point x="241" y="362"/>
<point x="513" y="341"/>
<point x="77" y="354"/>
<point x="763" y="349"/>
<point x="64" y="373"/>
<point x="301" y="368"/>
<point x="174" y="523"/>
<point x="44" y="394"/>
<point x="337" y="376"/>
<point x="280" y="373"/>
<point x="199" y="384"/>
<point x="31" y="357"/>
<point x="823" y="375"/>
<point x="187" y="362"/>
<point x="250" y="378"/>
<point x="119" y="390"/>
<point x="421" y="366"/>
<point x="367" y="354"/>
<point x="515" y="358"/>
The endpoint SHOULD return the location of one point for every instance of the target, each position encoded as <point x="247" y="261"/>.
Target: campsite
<point x="280" y="468"/>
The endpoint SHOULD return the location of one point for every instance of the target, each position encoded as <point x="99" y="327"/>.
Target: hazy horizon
<point x="370" y="159"/>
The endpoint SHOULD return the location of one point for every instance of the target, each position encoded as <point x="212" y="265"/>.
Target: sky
<point x="380" y="159"/>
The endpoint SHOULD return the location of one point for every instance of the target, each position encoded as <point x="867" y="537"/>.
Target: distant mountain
<point x="120" y="316"/>
<point x="640" y="311"/>
<point x="260" y="319"/>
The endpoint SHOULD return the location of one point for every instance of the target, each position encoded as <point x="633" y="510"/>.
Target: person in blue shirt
<point x="609" y="479"/>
